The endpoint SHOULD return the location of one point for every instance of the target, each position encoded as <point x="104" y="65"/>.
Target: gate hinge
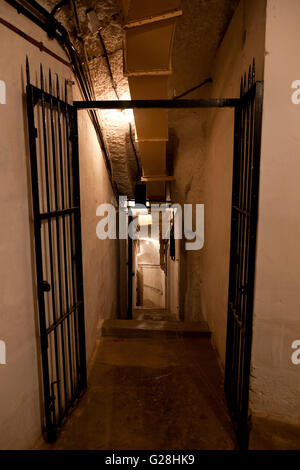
<point x="53" y="396"/>
<point x="51" y="405"/>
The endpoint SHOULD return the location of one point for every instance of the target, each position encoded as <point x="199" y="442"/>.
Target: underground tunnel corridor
<point x="149" y="270"/>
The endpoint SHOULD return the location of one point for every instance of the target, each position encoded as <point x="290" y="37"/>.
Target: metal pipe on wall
<point x="42" y="18"/>
<point x="40" y="45"/>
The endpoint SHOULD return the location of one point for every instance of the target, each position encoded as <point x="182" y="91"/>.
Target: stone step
<point x="151" y="329"/>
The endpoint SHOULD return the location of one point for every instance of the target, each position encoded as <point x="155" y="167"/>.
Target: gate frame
<point x="243" y="322"/>
<point x="243" y="423"/>
<point x="34" y="95"/>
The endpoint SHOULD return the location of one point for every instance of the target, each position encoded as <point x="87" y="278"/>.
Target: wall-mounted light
<point x="128" y="115"/>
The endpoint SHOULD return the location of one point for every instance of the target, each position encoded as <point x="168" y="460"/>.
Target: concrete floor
<point x="155" y="314"/>
<point x="150" y="393"/>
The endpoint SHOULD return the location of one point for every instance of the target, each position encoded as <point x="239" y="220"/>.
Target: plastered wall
<point x="100" y="257"/>
<point x="244" y="39"/>
<point x="188" y="188"/>
<point x="203" y="170"/>
<point x="20" y="384"/>
<point x="275" y="379"/>
<point x="173" y="277"/>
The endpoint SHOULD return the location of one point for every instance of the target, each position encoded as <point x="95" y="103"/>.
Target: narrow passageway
<point x="151" y="393"/>
<point x="143" y="144"/>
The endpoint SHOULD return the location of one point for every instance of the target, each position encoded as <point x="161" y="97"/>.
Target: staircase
<point x="153" y="323"/>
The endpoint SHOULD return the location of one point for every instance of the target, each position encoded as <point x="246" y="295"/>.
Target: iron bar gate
<point x="53" y="140"/>
<point x="245" y="186"/>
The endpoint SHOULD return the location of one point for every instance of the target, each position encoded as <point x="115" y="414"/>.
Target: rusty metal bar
<point x="160" y="104"/>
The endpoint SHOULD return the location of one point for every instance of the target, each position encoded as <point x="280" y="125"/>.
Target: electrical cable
<point x="207" y="80"/>
<point x="41" y="17"/>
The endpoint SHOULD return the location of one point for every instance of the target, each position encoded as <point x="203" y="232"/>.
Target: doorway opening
<point x="153" y="264"/>
<point x="149" y="273"/>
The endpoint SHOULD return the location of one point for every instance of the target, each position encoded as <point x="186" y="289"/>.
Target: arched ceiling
<point x="193" y="38"/>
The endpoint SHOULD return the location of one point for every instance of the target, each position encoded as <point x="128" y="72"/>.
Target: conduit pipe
<point x="42" y="18"/>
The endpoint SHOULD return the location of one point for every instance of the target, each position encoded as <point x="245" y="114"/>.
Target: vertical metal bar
<point x="129" y="307"/>
<point x="247" y="234"/>
<point x="50" y="430"/>
<point x="64" y="242"/>
<point x="78" y="251"/>
<point x="241" y="183"/>
<point x="233" y="255"/>
<point x="59" y="264"/>
<point x="45" y="147"/>
<point x="243" y="203"/>
<point x="74" y="300"/>
<point x="244" y="428"/>
<point x="249" y="190"/>
<point x="237" y="332"/>
<point x="242" y="287"/>
<point x="237" y="200"/>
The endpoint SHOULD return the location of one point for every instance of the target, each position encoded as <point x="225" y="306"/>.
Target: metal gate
<point x="247" y="143"/>
<point x="53" y="140"/>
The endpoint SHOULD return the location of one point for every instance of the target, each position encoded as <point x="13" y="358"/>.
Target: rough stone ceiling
<point x="114" y="123"/>
<point x="198" y="34"/>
